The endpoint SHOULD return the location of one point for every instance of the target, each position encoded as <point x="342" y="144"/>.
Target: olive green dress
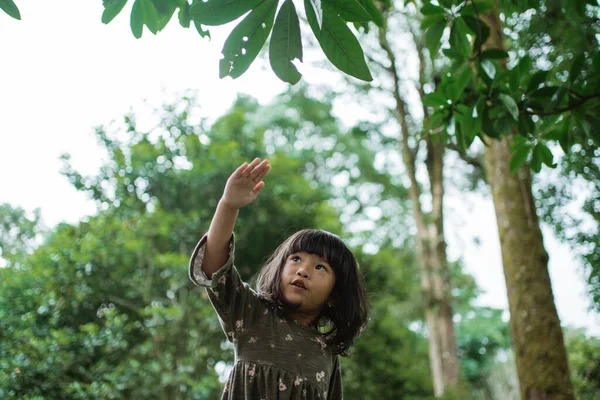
<point x="275" y="356"/>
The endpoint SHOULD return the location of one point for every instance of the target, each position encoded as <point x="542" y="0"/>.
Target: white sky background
<point x="62" y="72"/>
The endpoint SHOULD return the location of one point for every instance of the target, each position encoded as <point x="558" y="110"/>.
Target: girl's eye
<point x="321" y="267"/>
<point x="295" y="258"/>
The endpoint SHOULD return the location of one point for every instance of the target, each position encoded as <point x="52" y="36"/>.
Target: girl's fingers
<point x="240" y="170"/>
<point x="258" y="187"/>
<point x="259" y="171"/>
<point x="251" y="167"/>
<point x="263" y="172"/>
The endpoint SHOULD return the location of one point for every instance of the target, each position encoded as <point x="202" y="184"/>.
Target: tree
<point x="524" y="257"/>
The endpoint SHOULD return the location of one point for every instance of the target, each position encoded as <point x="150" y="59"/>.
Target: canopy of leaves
<point x="489" y="92"/>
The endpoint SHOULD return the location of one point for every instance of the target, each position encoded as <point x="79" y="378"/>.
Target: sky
<point x="63" y="73"/>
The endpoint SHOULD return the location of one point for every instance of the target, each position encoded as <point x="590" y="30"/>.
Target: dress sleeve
<point x="227" y="292"/>
<point x="335" y="382"/>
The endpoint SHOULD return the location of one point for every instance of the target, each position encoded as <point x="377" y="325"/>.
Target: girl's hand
<point x="245" y="183"/>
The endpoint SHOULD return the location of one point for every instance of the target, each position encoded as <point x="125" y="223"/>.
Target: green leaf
<point x="286" y="44"/>
<point x="558" y="96"/>
<point x="514" y="79"/>
<point x="151" y="17"/>
<point x="371" y="8"/>
<point x="137" y="18"/>
<point x="566" y="139"/>
<point x="430" y="9"/>
<point x="461" y="83"/>
<point x="489" y="68"/>
<point x="494" y="54"/>
<point x="536" y="80"/>
<point x="219" y="12"/>
<point x="164" y="11"/>
<point x="318" y="10"/>
<point x="576" y="68"/>
<point x="519" y="157"/>
<point x="428" y="22"/>
<point x="111" y="9"/>
<point x="458" y="38"/>
<point x="349" y="10"/>
<point x="591" y="127"/>
<point x="596" y="62"/>
<point x="546" y="155"/>
<point x="510" y="104"/>
<point x="536" y="159"/>
<point x="184" y="15"/>
<point x="433" y="37"/>
<point x="247" y="39"/>
<point x="484" y="6"/>
<point x="435" y="99"/>
<point x="526" y="125"/>
<point x="338" y="43"/>
<point x="479" y="28"/>
<point x="9" y="7"/>
<point x="203" y="32"/>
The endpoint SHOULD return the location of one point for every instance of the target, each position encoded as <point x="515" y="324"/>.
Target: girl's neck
<point x="305" y="319"/>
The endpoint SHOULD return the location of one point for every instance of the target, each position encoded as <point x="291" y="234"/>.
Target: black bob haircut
<point x="347" y="317"/>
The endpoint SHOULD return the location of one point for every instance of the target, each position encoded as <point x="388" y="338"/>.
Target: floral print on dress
<point x="239" y="324"/>
<point x="282" y="387"/>
<point x="297" y="381"/>
<point x="320" y="376"/>
<point x="289" y="338"/>
<point x="320" y="340"/>
<point x="252" y="371"/>
<point x="252" y="339"/>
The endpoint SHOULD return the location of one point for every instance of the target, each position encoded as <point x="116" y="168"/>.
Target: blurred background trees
<point x="103" y="308"/>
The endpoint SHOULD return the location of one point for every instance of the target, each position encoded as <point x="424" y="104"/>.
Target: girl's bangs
<point x="321" y="243"/>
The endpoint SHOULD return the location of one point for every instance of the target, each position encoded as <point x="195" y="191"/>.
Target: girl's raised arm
<point x="241" y="189"/>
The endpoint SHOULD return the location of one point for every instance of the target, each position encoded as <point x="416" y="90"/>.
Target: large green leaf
<point x="494" y="54"/>
<point x="112" y="8"/>
<point x="435" y="99"/>
<point x="339" y="43"/>
<point x="430" y="9"/>
<point x="137" y="18"/>
<point x="245" y="41"/>
<point x="458" y="38"/>
<point x="349" y="10"/>
<point x="510" y="104"/>
<point x="433" y="37"/>
<point x="184" y="15"/>
<point x="164" y="11"/>
<point x="219" y="12"/>
<point x="9" y="7"/>
<point x="519" y="158"/>
<point x="371" y="8"/>
<point x="151" y="18"/>
<point x="286" y="44"/>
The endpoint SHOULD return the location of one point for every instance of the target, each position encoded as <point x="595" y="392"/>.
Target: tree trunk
<point x="537" y="336"/>
<point x="435" y="276"/>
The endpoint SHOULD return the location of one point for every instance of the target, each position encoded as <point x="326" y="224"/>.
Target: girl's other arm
<point x="241" y="189"/>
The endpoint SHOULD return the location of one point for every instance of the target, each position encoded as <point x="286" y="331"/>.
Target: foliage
<point x="328" y="21"/>
<point x="104" y="308"/>
<point x="584" y="362"/>
<point x="572" y="209"/>
<point x="18" y="233"/>
<point x="480" y="97"/>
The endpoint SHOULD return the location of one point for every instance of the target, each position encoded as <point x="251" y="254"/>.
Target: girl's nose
<point x="301" y="272"/>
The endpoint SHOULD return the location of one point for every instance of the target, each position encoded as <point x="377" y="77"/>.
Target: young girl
<point x="309" y="305"/>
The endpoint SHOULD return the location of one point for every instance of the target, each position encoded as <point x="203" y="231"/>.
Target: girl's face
<point x="306" y="283"/>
